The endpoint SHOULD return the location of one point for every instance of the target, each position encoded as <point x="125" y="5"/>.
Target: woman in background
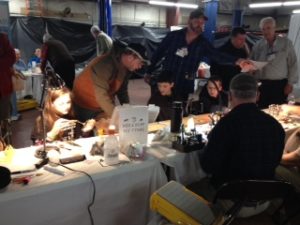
<point x="59" y="119"/>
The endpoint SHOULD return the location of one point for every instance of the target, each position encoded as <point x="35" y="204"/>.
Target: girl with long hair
<point x="59" y="119"/>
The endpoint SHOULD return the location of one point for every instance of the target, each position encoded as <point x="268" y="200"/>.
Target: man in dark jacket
<point x="7" y="60"/>
<point x="246" y="143"/>
<point x="56" y="53"/>
<point x="235" y="46"/>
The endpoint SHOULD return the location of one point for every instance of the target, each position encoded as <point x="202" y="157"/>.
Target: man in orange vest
<point x="104" y="78"/>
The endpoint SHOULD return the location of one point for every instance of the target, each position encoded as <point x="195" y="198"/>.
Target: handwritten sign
<point x="133" y="124"/>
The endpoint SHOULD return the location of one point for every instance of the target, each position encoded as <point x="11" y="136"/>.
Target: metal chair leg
<point x="5" y="131"/>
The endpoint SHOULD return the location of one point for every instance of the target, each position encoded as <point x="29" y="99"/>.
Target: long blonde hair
<point x="50" y="114"/>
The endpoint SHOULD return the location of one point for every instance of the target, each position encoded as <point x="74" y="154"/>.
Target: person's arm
<point x="292" y="73"/>
<point x="101" y="78"/>
<point x="8" y="52"/>
<point x="291" y="158"/>
<point x="292" y="64"/>
<point x="44" y="57"/>
<point x="122" y="93"/>
<point x="159" y="52"/>
<point x="218" y="56"/>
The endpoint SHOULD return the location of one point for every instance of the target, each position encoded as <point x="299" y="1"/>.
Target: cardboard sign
<point x="133" y="124"/>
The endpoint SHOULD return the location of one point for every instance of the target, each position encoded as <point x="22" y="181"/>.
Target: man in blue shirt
<point x="19" y="66"/>
<point x="183" y="50"/>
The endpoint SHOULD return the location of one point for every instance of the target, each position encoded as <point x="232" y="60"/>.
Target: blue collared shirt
<point x="20" y="65"/>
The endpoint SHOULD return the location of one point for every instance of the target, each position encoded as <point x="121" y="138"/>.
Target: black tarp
<point x="27" y="33"/>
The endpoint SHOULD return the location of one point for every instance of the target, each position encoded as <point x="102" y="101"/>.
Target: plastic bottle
<point x="111" y="147"/>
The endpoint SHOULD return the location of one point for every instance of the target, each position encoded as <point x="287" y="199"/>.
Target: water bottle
<point x="176" y="117"/>
<point x="111" y="147"/>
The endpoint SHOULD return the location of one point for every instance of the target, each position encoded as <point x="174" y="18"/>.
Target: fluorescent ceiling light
<point x="174" y="4"/>
<point x="296" y="11"/>
<point x="265" y="4"/>
<point x="291" y="3"/>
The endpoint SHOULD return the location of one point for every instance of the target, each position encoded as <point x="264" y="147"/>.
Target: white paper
<point x="256" y="65"/>
<point x="133" y="125"/>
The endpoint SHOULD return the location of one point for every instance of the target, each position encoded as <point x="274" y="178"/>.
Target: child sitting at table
<point x="59" y="119"/>
<point x="212" y="98"/>
<point x="165" y="95"/>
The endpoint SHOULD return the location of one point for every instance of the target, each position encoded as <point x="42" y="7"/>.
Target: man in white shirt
<point x="103" y="41"/>
<point x="279" y="75"/>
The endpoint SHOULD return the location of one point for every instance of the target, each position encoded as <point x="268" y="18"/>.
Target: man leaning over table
<point x="104" y="78"/>
<point x="279" y="75"/>
<point x="246" y="143"/>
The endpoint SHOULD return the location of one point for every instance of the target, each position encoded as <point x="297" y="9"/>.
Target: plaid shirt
<point x="183" y="59"/>
<point x="245" y="144"/>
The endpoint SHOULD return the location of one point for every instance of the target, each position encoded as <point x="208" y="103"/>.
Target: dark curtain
<point x="27" y="35"/>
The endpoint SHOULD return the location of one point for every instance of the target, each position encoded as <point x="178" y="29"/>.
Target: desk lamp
<point x="51" y="81"/>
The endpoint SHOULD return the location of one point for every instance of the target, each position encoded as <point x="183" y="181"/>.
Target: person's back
<point x="253" y="143"/>
<point x="7" y="59"/>
<point x="104" y="43"/>
<point x="245" y="144"/>
<point x="57" y="52"/>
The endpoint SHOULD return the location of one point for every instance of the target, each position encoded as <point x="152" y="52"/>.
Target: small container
<point x="33" y="66"/>
<point x="176" y="117"/>
<point x="111" y="147"/>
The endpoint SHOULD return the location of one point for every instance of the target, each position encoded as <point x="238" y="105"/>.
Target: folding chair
<point x="249" y="192"/>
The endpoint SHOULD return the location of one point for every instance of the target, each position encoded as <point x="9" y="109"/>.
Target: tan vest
<point x="84" y="89"/>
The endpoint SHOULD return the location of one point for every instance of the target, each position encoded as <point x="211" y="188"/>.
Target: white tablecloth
<point x="184" y="167"/>
<point x="33" y="86"/>
<point x="122" y="195"/>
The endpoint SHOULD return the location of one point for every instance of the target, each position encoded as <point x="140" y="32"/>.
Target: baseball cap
<point x="198" y="13"/>
<point x="140" y="51"/>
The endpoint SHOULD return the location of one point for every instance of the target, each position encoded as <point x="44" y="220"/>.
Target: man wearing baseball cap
<point x="181" y="51"/>
<point x="104" y="78"/>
